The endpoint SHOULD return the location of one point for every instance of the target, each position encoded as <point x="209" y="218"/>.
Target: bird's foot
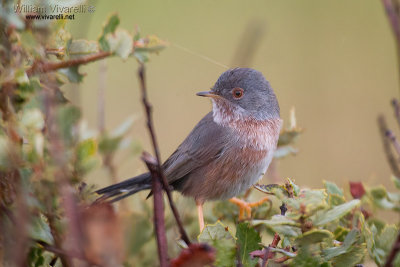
<point x="245" y="207"/>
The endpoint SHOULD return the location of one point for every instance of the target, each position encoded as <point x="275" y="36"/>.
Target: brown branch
<point x="43" y="67"/>
<point x="393" y="252"/>
<point x="386" y="146"/>
<point x="159" y="222"/>
<point x="161" y="174"/>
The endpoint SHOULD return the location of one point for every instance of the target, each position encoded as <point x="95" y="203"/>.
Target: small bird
<point x="228" y="151"/>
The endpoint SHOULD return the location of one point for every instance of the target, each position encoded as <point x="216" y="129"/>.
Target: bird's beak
<point x="207" y="94"/>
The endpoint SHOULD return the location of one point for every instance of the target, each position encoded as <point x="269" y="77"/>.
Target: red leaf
<point x="197" y="255"/>
<point x="357" y="189"/>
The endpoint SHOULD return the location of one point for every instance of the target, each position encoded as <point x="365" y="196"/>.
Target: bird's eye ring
<point x="237" y="92"/>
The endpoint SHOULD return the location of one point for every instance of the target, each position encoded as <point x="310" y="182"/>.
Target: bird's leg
<point x="246" y="206"/>
<point x="199" y="205"/>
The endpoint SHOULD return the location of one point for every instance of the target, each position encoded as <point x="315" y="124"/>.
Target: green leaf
<point x="214" y="232"/>
<point x="248" y="240"/>
<point x="350" y="239"/>
<point x="282" y="225"/>
<point x="82" y="47"/>
<point x="40" y="230"/>
<point x="72" y="73"/>
<point x="378" y="192"/>
<point x="332" y="188"/>
<point x="121" y="43"/>
<point x="284" y="151"/>
<point x="353" y="257"/>
<point x="109" y="144"/>
<point x="288" y="136"/>
<point x="313" y="237"/>
<point x="109" y="27"/>
<point x="68" y="116"/>
<point x="327" y="216"/>
<point x="226" y="252"/>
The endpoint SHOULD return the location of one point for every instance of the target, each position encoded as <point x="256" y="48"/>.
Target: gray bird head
<point x="245" y="91"/>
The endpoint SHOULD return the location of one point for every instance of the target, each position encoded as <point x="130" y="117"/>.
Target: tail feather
<point x="125" y="188"/>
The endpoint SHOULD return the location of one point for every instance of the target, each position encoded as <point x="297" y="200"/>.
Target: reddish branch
<point x="159" y="222"/>
<point x="161" y="174"/>
<point x="269" y="254"/>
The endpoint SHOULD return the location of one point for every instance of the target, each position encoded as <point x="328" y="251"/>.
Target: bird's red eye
<point x="237" y="92"/>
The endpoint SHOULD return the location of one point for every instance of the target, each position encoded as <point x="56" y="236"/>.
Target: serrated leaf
<point x="214" y="232"/>
<point x="248" y="240"/>
<point x="336" y="213"/>
<point x="226" y="252"/>
<point x="121" y="43"/>
<point x="109" y="27"/>
<point x="313" y="237"/>
<point x="332" y="188"/>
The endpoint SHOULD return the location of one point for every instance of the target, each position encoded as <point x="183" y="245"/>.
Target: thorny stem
<point x="161" y="174"/>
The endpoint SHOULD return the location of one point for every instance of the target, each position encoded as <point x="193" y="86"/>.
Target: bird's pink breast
<point x="244" y="160"/>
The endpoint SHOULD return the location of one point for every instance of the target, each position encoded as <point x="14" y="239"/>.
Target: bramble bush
<point x="46" y="151"/>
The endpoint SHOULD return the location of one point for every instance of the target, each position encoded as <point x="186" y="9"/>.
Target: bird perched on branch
<point x="228" y="151"/>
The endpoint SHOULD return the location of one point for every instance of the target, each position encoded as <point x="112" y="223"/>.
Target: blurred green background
<point x="334" y="61"/>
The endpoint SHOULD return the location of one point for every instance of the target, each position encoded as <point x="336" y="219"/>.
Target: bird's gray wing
<point x="205" y="143"/>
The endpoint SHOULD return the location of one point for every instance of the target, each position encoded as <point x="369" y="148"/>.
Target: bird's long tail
<point x="125" y="188"/>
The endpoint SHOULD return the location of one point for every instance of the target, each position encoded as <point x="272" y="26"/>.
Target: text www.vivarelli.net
<point x="51" y="17"/>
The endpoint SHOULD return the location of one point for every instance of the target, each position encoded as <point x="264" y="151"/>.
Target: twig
<point x="393" y="252"/>
<point x="159" y="222"/>
<point x="268" y="254"/>
<point x="396" y="107"/>
<point x="59" y="252"/>
<point x="43" y="67"/>
<point x="393" y="18"/>
<point x="394" y="141"/>
<point x="386" y="146"/>
<point x="147" y="107"/>
<point x="392" y="12"/>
